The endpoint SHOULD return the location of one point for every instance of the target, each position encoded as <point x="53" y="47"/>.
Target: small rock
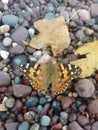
<point x="49" y="15"/>
<point x="57" y="126"/>
<point x="82" y="120"/>
<point x="11" y="125"/>
<point x="42" y="100"/>
<point x="72" y="117"/>
<point x="45" y="120"/>
<point x="89" y="31"/>
<point x="55" y="119"/>
<point x="54" y="2"/>
<point x="30" y="50"/>
<point x="74" y="126"/>
<point x="16" y="50"/>
<point x="39" y="108"/>
<point x="32" y="59"/>
<point x="18" y="60"/>
<point x="17" y="107"/>
<point x="80" y="34"/>
<point x="10" y="20"/>
<point x="94" y="10"/>
<point x="56" y="107"/>
<point x="21" y="91"/>
<point x="2" y="107"/>
<point x="64" y="117"/>
<point x="65" y="127"/>
<point x="4" y="79"/>
<point x="66" y="102"/>
<point x="45" y="109"/>
<point x="5" y="1"/>
<point x="29" y="115"/>
<point x="37" y="54"/>
<point x="93" y="106"/>
<point x="24" y="126"/>
<point x="50" y="7"/>
<point x="73" y="3"/>
<point x="2" y="128"/>
<point x="7" y="41"/>
<point x="94" y="126"/>
<point x="32" y="101"/>
<point x="84" y="15"/>
<point x="17" y="80"/>
<point x="20" y="34"/>
<point x="31" y="32"/>
<point x="35" y="127"/>
<point x="85" y="88"/>
<point x="4" y="54"/>
<point x="4" y="29"/>
<point x="10" y="102"/>
<point x="22" y="5"/>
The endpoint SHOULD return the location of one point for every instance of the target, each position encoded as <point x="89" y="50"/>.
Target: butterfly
<point x="50" y="77"/>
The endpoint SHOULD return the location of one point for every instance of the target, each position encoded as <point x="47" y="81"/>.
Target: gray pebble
<point x="45" y="120"/>
<point x="80" y="34"/>
<point x="94" y="10"/>
<point x="10" y="102"/>
<point x="24" y="126"/>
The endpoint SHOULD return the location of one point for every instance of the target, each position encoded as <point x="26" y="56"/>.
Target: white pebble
<point x="5" y="1"/>
<point x="4" y="54"/>
<point x="31" y="32"/>
<point x="4" y="29"/>
<point x="14" y="44"/>
<point x="7" y="41"/>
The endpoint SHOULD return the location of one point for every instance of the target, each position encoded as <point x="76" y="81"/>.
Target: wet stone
<point x="11" y="125"/>
<point x="94" y="10"/>
<point x="64" y="117"/>
<point x="72" y="117"/>
<point x="20" y="90"/>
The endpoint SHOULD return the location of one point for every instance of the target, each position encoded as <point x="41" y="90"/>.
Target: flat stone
<point x="25" y="125"/>
<point x="4" y="79"/>
<point x="20" y="90"/>
<point x="45" y="120"/>
<point x="94" y="10"/>
<point x="11" y="125"/>
<point x="74" y="126"/>
<point x="94" y="126"/>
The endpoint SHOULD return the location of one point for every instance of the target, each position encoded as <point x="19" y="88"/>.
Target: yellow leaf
<point x="90" y="63"/>
<point x="53" y="33"/>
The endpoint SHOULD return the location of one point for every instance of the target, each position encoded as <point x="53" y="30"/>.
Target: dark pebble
<point x="32" y="101"/>
<point x="42" y="100"/>
<point x="55" y="119"/>
<point x="45" y="109"/>
<point x="56" y="107"/>
<point x="21" y="91"/>
<point x="17" y="107"/>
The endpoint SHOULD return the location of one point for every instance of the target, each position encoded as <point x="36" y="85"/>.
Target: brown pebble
<point x="21" y="91"/>
<point x="93" y="106"/>
<point x="74" y="126"/>
<point x="54" y="119"/>
<point x="57" y="126"/>
<point x="66" y="102"/>
<point x="45" y="109"/>
<point x="94" y="126"/>
<point x="72" y="117"/>
<point x="82" y="120"/>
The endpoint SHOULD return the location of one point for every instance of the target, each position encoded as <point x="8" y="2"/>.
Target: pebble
<point x="32" y="59"/>
<point x="94" y="10"/>
<point x="39" y="108"/>
<point x="37" y="54"/>
<point x="4" y="29"/>
<point x="54" y="119"/>
<point x="10" y="20"/>
<point x="31" y="32"/>
<point x="29" y="115"/>
<point x="21" y="91"/>
<point x="73" y="3"/>
<point x="5" y="1"/>
<point x="22" y="5"/>
<point x="49" y="15"/>
<point x="89" y="31"/>
<point x="65" y="127"/>
<point x="45" y="120"/>
<point x="17" y="107"/>
<point x="66" y="102"/>
<point x="94" y="126"/>
<point x="85" y="88"/>
<point x="32" y="101"/>
<point x="82" y="120"/>
<point x="45" y="109"/>
<point x="2" y="128"/>
<point x="74" y="126"/>
<point x="4" y="54"/>
<point x="42" y="100"/>
<point x="56" y="107"/>
<point x="84" y="15"/>
<point x="30" y="50"/>
<point x="11" y="125"/>
<point x="57" y="126"/>
<point x="17" y="80"/>
<point x="24" y="126"/>
<point x="80" y="34"/>
<point x="72" y="117"/>
<point x="50" y="7"/>
<point x="63" y="117"/>
<point x="54" y="2"/>
<point x="20" y="34"/>
<point x="10" y="102"/>
<point x="16" y="50"/>
<point x="35" y="127"/>
<point x="7" y="41"/>
<point x="93" y="106"/>
<point x="4" y="79"/>
<point x="18" y="60"/>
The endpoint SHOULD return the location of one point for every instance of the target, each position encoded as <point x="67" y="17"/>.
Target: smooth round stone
<point x="35" y="127"/>
<point x="80" y="34"/>
<point x="32" y="59"/>
<point x="5" y="1"/>
<point x="66" y="102"/>
<point x="37" y="54"/>
<point x="49" y="15"/>
<point x="45" y="120"/>
<point x="94" y="126"/>
<point x="24" y="126"/>
<point x="4" y="54"/>
<point x="17" y="107"/>
<point x="84" y="15"/>
<point x="45" y="109"/>
<point x="92" y="22"/>
<point x="17" y="80"/>
<point x="72" y="117"/>
<point x="50" y="7"/>
<point x="56" y="107"/>
<point x="31" y="32"/>
<point x="22" y="5"/>
<point x="39" y="108"/>
<point x="54" y="2"/>
<point x="10" y="102"/>
<point x="18" y="60"/>
<point x="94" y="10"/>
<point x="65" y="127"/>
<point x="82" y="120"/>
<point x="57" y="126"/>
<point x="10" y="20"/>
<point x="4" y="29"/>
<point x="21" y="91"/>
<point x="73" y="3"/>
<point x="7" y="41"/>
<point x="30" y="50"/>
<point x="74" y="126"/>
<point x="29" y="115"/>
<point x="32" y="101"/>
<point x="42" y="100"/>
<point x="89" y="31"/>
<point x="4" y="79"/>
<point x="21" y="20"/>
<point x="20" y="34"/>
<point x="3" y="115"/>
<point x="85" y="88"/>
<point x="11" y="125"/>
<point x="25" y="24"/>
<point x="64" y="117"/>
<point x="54" y="119"/>
<point x="93" y="106"/>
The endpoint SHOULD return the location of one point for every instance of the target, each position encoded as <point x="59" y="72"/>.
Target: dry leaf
<point x="52" y="33"/>
<point x="90" y="63"/>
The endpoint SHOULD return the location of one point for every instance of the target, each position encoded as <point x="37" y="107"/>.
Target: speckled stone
<point x="11" y="125"/>
<point x="82" y="120"/>
<point x="10" y="102"/>
<point x="7" y="41"/>
<point x="32" y="101"/>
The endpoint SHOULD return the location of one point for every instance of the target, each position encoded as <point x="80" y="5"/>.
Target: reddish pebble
<point x="93" y="106"/>
<point x="57" y="126"/>
<point x="66" y="102"/>
<point x="94" y="126"/>
<point x="82" y="120"/>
